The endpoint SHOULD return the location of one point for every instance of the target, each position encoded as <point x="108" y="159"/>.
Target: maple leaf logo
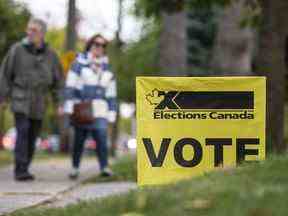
<point x="153" y="98"/>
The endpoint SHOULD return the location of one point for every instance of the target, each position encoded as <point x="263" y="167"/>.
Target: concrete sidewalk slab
<point x="51" y="180"/>
<point x="90" y="192"/>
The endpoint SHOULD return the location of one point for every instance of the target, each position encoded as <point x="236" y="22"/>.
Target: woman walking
<point x="90" y="81"/>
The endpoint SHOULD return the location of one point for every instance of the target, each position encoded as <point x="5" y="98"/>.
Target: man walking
<point x="28" y="72"/>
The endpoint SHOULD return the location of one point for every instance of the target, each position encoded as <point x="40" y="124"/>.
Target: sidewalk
<point x="51" y="180"/>
<point x="89" y="192"/>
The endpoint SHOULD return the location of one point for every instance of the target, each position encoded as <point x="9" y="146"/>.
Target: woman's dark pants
<point x="100" y="136"/>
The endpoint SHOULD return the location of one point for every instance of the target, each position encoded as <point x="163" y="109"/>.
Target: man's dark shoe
<point x="24" y="177"/>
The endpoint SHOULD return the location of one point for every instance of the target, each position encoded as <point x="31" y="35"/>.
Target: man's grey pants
<point x="27" y="133"/>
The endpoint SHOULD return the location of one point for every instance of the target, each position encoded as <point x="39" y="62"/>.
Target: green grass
<point x="124" y="170"/>
<point x="5" y="158"/>
<point x="286" y="123"/>
<point x="125" y="125"/>
<point x="252" y="189"/>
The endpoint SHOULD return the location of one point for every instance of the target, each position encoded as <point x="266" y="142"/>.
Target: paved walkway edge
<point x="49" y="199"/>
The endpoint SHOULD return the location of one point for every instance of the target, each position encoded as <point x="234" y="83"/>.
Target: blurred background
<point x="158" y="38"/>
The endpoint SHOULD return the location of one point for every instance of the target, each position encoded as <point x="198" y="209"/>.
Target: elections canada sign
<point x="188" y="126"/>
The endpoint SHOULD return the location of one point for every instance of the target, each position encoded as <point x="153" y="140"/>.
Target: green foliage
<point x="125" y="125"/>
<point x="208" y="3"/>
<point x="50" y="121"/>
<point x="252" y="14"/>
<point x="8" y="119"/>
<point x="148" y="8"/>
<point x="56" y="38"/>
<point x="6" y="157"/>
<point x="135" y="59"/>
<point x="13" y="20"/>
<point x="201" y="32"/>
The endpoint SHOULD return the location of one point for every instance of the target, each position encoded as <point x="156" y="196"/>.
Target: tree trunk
<point x="115" y="127"/>
<point x="271" y="63"/>
<point x="173" y="54"/>
<point x="233" y="49"/>
<point x="119" y="24"/>
<point x="71" y="40"/>
<point x="71" y="35"/>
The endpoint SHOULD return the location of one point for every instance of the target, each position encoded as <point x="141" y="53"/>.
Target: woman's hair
<point x="91" y="41"/>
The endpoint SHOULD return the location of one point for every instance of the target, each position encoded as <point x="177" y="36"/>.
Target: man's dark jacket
<point x="27" y="74"/>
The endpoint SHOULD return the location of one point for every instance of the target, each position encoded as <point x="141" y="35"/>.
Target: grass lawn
<point x="5" y="158"/>
<point x="253" y="189"/>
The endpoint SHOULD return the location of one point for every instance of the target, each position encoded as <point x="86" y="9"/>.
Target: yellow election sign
<point x="189" y="125"/>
